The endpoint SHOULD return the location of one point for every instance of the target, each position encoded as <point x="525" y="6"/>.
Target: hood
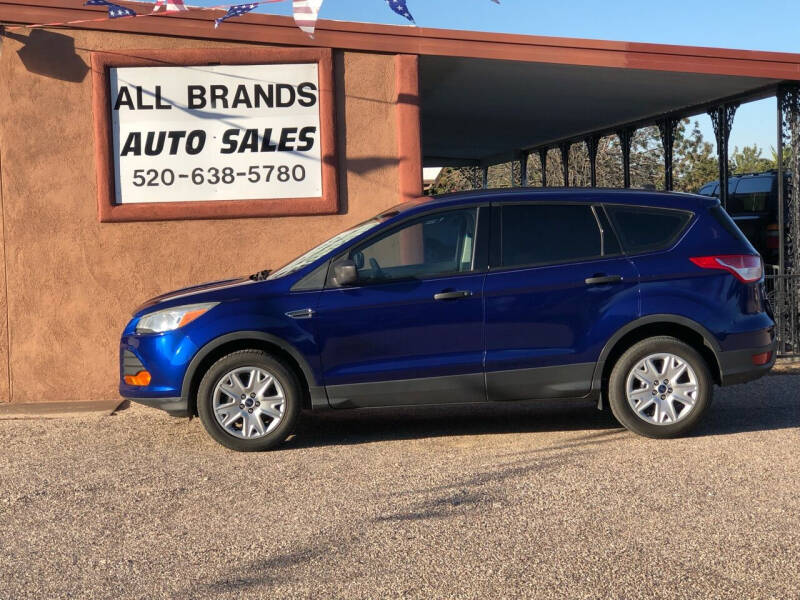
<point x="192" y="294"/>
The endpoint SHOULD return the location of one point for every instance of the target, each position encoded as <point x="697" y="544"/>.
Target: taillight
<point x="745" y="267"/>
<point x="761" y="359"/>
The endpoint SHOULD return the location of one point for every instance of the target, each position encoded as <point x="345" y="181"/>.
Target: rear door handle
<point x="603" y="279"/>
<point x="304" y="313"/>
<point x="452" y="295"/>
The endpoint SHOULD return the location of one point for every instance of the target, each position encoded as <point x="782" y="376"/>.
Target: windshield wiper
<point x="261" y="275"/>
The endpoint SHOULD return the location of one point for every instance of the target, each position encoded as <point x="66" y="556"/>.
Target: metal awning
<point x="474" y="109"/>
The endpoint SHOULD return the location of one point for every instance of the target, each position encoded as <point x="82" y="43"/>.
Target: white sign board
<point x="234" y="132"/>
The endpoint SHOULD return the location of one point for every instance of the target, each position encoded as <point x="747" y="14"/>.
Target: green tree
<point x="695" y="160"/>
<point x="694" y="164"/>
<point x="647" y="159"/>
<point x="749" y="160"/>
<point x="457" y="180"/>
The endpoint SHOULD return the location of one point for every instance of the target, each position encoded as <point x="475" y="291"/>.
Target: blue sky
<point x="751" y="25"/>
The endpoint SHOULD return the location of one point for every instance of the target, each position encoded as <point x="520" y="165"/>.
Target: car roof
<point x="597" y="195"/>
<point x="772" y="173"/>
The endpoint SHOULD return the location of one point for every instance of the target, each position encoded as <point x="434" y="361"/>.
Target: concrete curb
<point x="60" y="410"/>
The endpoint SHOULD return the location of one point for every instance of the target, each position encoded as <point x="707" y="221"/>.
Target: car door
<point x="558" y="290"/>
<point x="410" y="330"/>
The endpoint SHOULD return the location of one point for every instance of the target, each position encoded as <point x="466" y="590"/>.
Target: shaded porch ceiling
<point x="473" y="109"/>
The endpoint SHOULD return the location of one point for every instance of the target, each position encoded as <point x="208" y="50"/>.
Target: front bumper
<point x="737" y="366"/>
<point x="176" y="407"/>
<point x="165" y="357"/>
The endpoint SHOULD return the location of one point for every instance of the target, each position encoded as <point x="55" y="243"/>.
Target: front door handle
<point x="452" y="295"/>
<point x="603" y="279"/>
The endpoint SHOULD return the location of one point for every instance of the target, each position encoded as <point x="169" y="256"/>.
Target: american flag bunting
<point x="399" y="6"/>
<point x="114" y="10"/>
<point x="235" y="11"/>
<point x="306" y="13"/>
<point x="169" y="5"/>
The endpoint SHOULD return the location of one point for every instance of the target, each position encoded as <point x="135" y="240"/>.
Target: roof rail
<point x="767" y="172"/>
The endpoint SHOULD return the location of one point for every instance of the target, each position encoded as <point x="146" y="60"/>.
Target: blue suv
<point x="642" y="300"/>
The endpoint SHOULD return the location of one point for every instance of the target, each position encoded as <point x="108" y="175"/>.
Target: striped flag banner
<point x="306" y="13"/>
<point x="169" y="5"/>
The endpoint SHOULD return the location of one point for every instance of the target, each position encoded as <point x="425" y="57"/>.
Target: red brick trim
<point x="109" y="211"/>
<point x="408" y="126"/>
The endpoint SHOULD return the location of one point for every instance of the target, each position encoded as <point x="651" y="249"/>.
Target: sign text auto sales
<point x="216" y="132"/>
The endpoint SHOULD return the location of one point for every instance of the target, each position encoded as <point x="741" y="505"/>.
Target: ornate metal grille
<point x="789" y="99"/>
<point x="784" y="301"/>
<point x="722" y="121"/>
<point x="783" y="288"/>
<point x="667" y="128"/>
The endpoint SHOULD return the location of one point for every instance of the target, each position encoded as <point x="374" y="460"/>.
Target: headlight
<point x="172" y="318"/>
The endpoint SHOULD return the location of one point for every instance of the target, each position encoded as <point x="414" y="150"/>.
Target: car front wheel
<point x="660" y="387"/>
<point x="248" y="401"/>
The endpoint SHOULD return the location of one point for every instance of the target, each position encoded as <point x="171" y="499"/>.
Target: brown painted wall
<point x="4" y="391"/>
<point x="72" y="281"/>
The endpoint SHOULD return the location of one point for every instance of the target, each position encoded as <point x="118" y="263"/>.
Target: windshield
<point x="325" y="247"/>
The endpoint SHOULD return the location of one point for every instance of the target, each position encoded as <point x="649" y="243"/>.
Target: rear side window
<point x="646" y="229"/>
<point x="540" y="234"/>
<point x="728" y="224"/>
<point x="751" y="195"/>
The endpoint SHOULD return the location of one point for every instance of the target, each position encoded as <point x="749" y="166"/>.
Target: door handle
<point x="452" y="295"/>
<point x="603" y="279"/>
<point x="305" y="313"/>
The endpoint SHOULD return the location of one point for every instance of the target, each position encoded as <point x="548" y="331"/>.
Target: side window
<point x="707" y="190"/>
<point x="540" y="234"/>
<point x="751" y="196"/>
<point x="646" y="229"/>
<point x="437" y="244"/>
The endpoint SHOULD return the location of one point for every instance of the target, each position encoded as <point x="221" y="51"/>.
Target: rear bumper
<point x="176" y="407"/>
<point x="737" y="366"/>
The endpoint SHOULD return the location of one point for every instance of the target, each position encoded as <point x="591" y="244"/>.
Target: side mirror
<point x="345" y="273"/>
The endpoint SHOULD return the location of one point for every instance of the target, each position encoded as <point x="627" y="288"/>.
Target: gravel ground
<point x="545" y="501"/>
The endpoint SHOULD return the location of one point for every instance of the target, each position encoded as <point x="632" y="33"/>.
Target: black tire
<point x="618" y="401"/>
<point x="241" y="359"/>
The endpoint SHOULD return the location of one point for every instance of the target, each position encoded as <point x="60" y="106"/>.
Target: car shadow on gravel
<point x="769" y="403"/>
<point x="372" y="425"/>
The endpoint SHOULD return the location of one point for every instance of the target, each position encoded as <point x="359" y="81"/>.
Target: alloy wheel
<point x="249" y="402"/>
<point x="662" y="389"/>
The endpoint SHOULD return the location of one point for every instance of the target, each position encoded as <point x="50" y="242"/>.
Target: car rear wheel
<point x="660" y="387"/>
<point x="248" y="401"/>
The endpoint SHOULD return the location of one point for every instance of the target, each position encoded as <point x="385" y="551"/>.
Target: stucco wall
<point x="72" y="281"/>
<point x="4" y="383"/>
